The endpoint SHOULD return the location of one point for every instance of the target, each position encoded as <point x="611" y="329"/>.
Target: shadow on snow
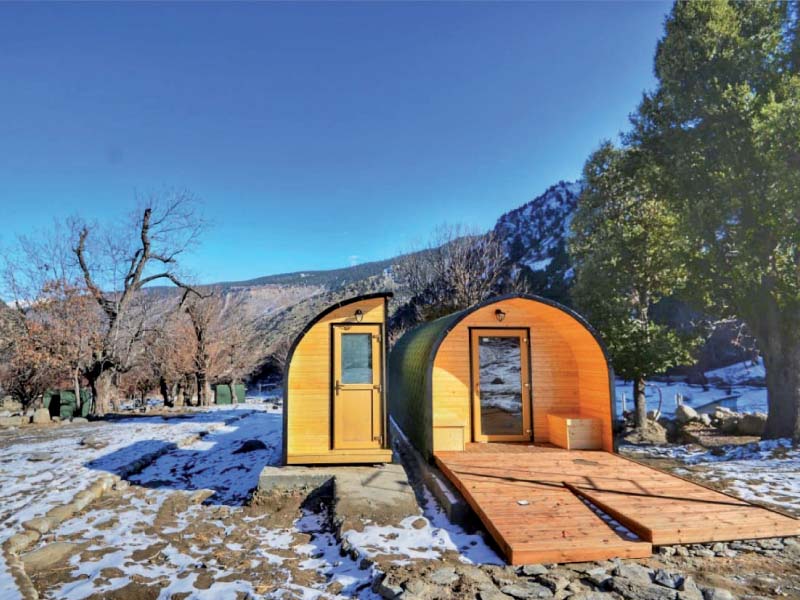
<point x="227" y="461"/>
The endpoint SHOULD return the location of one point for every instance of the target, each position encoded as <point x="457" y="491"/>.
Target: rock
<point x="688" y="590"/>
<point x="12" y="421"/>
<point x="651" y="433"/>
<point x="717" y="594"/>
<point x="670" y="580"/>
<point x="50" y="555"/>
<point x="533" y="570"/>
<point x="752" y="424"/>
<point x="40" y="524"/>
<point x="555" y="582"/>
<point x="387" y="588"/>
<point x="417" y="587"/>
<point x="666" y="551"/>
<point x="770" y="544"/>
<point x="705" y="419"/>
<point x="492" y="593"/>
<point x="589" y="596"/>
<point x="445" y="576"/>
<point x="684" y="414"/>
<point x="39" y="456"/>
<point x="420" y="523"/>
<point x="718" y="547"/>
<point x="40" y="416"/>
<point x="640" y="591"/>
<point x="94" y="442"/>
<point x="250" y="446"/>
<point x="634" y="572"/>
<point x="682" y="551"/>
<point x="79" y="420"/>
<point x="474" y="574"/>
<point x="729" y="424"/>
<point x="526" y="589"/>
<point x="20" y="542"/>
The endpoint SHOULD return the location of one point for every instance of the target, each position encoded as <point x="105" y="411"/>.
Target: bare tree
<point x="228" y="344"/>
<point x="457" y="269"/>
<point x="55" y="324"/>
<point x="118" y="265"/>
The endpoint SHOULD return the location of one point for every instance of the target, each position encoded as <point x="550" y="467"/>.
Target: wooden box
<point x="574" y="432"/>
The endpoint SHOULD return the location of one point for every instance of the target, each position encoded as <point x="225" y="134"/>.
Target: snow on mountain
<point x="534" y="237"/>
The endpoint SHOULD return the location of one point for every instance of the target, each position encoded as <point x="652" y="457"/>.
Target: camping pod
<point x="334" y="403"/>
<point x="515" y="368"/>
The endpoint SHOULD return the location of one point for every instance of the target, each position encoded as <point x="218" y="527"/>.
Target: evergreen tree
<point x="627" y="250"/>
<point x="724" y="124"/>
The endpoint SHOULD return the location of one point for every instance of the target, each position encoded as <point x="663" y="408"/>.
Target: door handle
<point x="337" y="387"/>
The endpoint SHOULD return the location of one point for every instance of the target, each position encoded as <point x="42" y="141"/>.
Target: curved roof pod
<point x="432" y="374"/>
<point x="309" y="398"/>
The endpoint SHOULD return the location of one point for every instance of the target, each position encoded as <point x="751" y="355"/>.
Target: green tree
<point x="627" y="249"/>
<point x="724" y="124"/>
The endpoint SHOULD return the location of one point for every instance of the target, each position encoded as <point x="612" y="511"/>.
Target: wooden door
<point x="357" y="387"/>
<point x="501" y="386"/>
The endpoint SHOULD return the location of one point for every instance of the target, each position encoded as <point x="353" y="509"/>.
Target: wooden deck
<point x="552" y="523"/>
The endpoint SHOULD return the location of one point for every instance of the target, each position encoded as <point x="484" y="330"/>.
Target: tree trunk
<point x="203" y="389"/>
<point x="102" y="391"/>
<point x="76" y="386"/>
<point x="640" y="403"/>
<point x="165" y="392"/>
<point x="782" y="366"/>
<point x="178" y="394"/>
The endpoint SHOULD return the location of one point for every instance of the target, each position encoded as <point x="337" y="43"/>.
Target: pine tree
<point x="627" y="252"/>
<point x="724" y="126"/>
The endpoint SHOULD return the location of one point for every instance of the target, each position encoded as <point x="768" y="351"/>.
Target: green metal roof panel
<point x="410" y="370"/>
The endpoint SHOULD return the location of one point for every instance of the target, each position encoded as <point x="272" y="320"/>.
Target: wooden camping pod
<point x="334" y="408"/>
<point x="564" y="370"/>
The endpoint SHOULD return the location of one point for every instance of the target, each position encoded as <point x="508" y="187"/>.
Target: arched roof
<point x="299" y="338"/>
<point x="411" y="361"/>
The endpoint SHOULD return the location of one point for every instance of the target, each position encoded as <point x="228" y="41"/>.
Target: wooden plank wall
<point x="569" y="371"/>
<point x="309" y="383"/>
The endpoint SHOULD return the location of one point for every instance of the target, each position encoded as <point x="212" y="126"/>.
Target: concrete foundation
<point x="450" y="499"/>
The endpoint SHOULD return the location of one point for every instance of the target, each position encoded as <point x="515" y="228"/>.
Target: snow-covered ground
<point x="766" y="471"/>
<point x="727" y="385"/>
<point x="183" y="525"/>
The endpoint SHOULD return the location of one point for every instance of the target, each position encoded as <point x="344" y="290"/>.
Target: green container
<point x="61" y="403"/>
<point x="240" y="392"/>
<point x="223" y="394"/>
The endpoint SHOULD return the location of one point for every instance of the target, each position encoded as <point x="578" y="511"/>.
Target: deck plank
<point x="556" y="525"/>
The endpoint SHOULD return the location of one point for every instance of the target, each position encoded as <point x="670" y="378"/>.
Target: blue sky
<point x="314" y="133"/>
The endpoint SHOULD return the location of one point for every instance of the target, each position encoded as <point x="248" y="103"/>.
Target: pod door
<point x="357" y="388"/>
<point x="501" y="387"/>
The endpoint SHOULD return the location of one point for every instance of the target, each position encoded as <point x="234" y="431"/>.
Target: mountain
<point x="534" y="236"/>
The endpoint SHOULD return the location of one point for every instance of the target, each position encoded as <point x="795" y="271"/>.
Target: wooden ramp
<point x="530" y="499"/>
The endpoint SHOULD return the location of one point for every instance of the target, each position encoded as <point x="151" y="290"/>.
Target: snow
<point x="766" y="471"/>
<point x="423" y="537"/>
<point x="726" y="388"/>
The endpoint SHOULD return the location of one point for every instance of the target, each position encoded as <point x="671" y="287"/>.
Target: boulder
<point x="634" y="572"/>
<point x="94" y="442"/>
<point x="41" y="415"/>
<point x="705" y="419"/>
<point x="684" y="414"/>
<point x="526" y="589"/>
<point x="640" y="591"/>
<point x="729" y="424"/>
<point x="250" y="446"/>
<point x="50" y="555"/>
<point x="752" y="424"/>
<point x="652" y="433"/>
<point x="717" y="594"/>
<point x="12" y="421"/>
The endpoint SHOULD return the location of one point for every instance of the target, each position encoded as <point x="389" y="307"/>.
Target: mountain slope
<point x="534" y="236"/>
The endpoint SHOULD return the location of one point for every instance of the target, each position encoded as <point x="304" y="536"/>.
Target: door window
<point x="500" y="384"/>
<point x="356" y="358"/>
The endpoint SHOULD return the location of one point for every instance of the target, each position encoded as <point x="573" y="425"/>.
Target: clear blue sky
<point x="314" y="133"/>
